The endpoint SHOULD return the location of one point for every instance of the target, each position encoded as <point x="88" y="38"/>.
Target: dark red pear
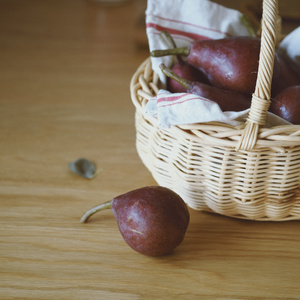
<point x="152" y="220"/>
<point x="287" y="104"/>
<point x="227" y="100"/>
<point x="229" y="63"/>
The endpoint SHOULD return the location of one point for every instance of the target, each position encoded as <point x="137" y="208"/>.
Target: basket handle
<point x="261" y="97"/>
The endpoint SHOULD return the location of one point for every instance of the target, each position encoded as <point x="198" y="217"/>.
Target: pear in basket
<point x="229" y="63"/>
<point x="232" y="63"/>
<point x="287" y="104"/>
<point x="227" y="100"/>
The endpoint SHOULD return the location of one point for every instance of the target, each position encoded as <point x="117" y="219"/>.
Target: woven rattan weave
<point x="249" y="172"/>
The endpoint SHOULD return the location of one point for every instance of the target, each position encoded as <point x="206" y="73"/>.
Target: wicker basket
<point x="248" y="172"/>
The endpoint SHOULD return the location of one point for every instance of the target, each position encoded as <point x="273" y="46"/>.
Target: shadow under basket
<point x="204" y="164"/>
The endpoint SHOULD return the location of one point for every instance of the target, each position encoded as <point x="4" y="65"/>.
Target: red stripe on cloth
<point x="186" y="100"/>
<point x="187" y="23"/>
<point x="193" y="36"/>
<point x="169" y="98"/>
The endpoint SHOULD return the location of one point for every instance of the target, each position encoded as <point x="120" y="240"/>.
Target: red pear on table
<point x="152" y="220"/>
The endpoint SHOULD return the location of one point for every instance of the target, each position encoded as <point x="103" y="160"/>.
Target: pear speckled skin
<point x="287" y="104"/>
<point x="152" y="220"/>
<point x="229" y="63"/>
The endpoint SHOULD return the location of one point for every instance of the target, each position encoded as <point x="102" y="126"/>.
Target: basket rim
<point x="216" y="133"/>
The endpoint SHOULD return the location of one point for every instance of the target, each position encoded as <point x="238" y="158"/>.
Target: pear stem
<point x="166" y="34"/>
<point x="95" y="209"/>
<point x="185" y="51"/>
<point x="169" y="73"/>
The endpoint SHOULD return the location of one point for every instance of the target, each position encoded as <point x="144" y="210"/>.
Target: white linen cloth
<point x="183" y="108"/>
<point x="290" y="46"/>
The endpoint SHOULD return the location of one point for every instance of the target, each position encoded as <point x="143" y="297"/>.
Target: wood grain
<point x="64" y="94"/>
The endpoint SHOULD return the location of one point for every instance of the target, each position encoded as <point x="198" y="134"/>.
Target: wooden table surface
<point x="65" y="68"/>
